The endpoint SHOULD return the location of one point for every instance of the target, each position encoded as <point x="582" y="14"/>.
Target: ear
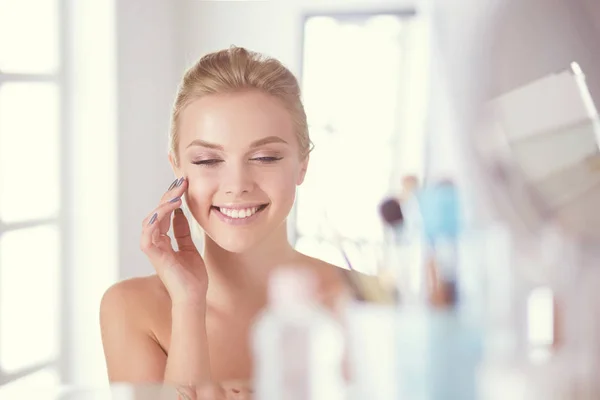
<point x="302" y="171"/>
<point x="174" y="166"/>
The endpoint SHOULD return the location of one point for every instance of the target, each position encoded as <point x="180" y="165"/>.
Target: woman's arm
<point x="188" y="362"/>
<point x="133" y="354"/>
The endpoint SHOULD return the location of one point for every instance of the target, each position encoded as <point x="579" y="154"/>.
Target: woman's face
<point x="240" y="154"/>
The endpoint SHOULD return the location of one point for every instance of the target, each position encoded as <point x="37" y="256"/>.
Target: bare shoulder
<point x="131" y="312"/>
<point x="337" y="281"/>
<point x="136" y="299"/>
<point x="332" y="278"/>
<point x="330" y="272"/>
<point x="322" y="268"/>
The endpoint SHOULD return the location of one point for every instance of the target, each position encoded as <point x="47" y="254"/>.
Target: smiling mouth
<point x="240" y="213"/>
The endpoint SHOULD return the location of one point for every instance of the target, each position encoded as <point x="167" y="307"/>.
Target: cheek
<point x="279" y="185"/>
<point x="199" y="194"/>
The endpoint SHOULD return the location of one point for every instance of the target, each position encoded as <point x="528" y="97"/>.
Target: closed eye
<point x="267" y="160"/>
<point x="208" y="163"/>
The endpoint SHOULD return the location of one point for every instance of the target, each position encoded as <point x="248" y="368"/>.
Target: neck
<point x="240" y="276"/>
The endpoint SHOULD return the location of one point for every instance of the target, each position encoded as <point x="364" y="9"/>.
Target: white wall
<point x="539" y="37"/>
<point x="148" y="70"/>
<point x="123" y="69"/>
<point x="270" y="27"/>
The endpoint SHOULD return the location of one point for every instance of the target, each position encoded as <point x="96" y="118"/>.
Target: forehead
<point x="235" y="117"/>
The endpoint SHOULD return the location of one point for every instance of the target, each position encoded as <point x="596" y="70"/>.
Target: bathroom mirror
<point x="538" y="132"/>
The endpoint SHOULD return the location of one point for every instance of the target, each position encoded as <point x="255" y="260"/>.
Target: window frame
<point x="61" y="220"/>
<point x="421" y="17"/>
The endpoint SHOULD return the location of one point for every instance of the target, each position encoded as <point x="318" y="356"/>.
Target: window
<point x="353" y="83"/>
<point x="31" y="106"/>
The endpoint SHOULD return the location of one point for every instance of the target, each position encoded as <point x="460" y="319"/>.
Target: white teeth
<point x="239" y="213"/>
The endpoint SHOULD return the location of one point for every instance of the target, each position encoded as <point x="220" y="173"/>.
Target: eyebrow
<point x="256" y="143"/>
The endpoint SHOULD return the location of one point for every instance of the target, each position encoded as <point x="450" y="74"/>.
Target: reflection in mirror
<point x="542" y="133"/>
<point x="549" y="132"/>
<point x="354" y="74"/>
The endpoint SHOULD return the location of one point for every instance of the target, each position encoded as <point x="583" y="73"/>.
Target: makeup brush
<point x="367" y="288"/>
<point x="391" y="212"/>
<point x="393" y="217"/>
<point x="348" y="276"/>
<point x="363" y="287"/>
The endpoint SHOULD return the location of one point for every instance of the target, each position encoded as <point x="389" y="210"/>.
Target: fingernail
<point x="178" y="211"/>
<point x="174" y="200"/>
<point x="153" y="219"/>
<point x="180" y="181"/>
<point x="173" y="184"/>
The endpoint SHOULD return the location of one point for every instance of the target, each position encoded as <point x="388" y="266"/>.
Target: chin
<point x="238" y="244"/>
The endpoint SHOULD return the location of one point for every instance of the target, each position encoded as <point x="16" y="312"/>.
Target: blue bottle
<point x="439" y="344"/>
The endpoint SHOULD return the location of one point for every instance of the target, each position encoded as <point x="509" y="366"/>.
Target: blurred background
<point x="86" y="89"/>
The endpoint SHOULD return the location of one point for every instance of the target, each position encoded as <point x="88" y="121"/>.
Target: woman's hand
<point x="183" y="272"/>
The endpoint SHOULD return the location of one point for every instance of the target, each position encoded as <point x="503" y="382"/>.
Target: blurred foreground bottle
<point x="298" y="345"/>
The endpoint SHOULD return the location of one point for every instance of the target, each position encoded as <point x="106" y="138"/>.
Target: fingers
<point x="155" y="242"/>
<point x="158" y="215"/>
<point x="173" y="195"/>
<point x="238" y="390"/>
<point x="185" y="394"/>
<point x="181" y="231"/>
<point x="176" y="189"/>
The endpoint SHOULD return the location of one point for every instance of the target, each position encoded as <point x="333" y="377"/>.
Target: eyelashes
<point x="208" y="163"/>
<point x="267" y="160"/>
<point x="215" y="162"/>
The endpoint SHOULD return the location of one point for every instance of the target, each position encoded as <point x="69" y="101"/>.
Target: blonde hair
<point x="234" y="70"/>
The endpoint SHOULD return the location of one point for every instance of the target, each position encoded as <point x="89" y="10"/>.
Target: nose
<point x="237" y="180"/>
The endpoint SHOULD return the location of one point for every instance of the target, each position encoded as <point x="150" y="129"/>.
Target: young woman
<point x="239" y="147"/>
